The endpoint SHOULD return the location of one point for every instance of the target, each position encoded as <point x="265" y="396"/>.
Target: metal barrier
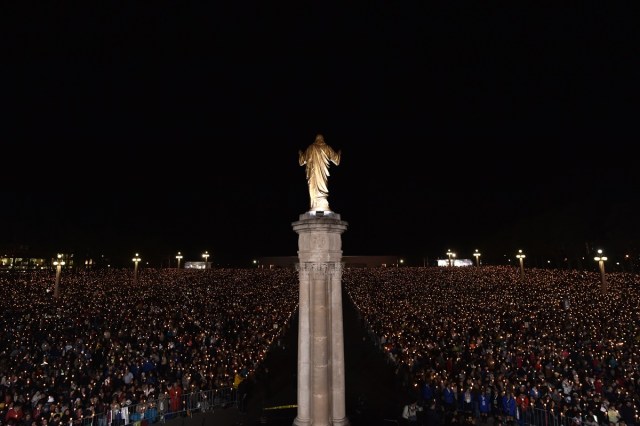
<point x="542" y="417"/>
<point x="161" y="409"/>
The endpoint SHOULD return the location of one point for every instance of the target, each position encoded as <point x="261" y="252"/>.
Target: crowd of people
<point x="481" y="344"/>
<point x="474" y="344"/>
<point x="106" y="344"/>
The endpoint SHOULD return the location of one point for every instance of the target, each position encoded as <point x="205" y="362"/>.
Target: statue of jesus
<point x="317" y="157"/>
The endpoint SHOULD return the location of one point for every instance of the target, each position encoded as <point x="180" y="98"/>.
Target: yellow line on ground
<point x="281" y="407"/>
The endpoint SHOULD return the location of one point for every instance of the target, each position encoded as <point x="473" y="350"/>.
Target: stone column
<point x="338" y="409"/>
<point x="304" y="350"/>
<point x="321" y="385"/>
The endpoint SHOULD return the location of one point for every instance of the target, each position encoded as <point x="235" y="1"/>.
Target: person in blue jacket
<point x="449" y="398"/>
<point x="427" y="392"/>
<point x="484" y="405"/>
<point x="509" y="408"/>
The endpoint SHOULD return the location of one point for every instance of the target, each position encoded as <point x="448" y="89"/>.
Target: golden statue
<point x="316" y="157"/>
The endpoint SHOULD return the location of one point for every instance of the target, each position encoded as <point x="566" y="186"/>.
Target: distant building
<point x="197" y="265"/>
<point x="456" y="262"/>
<point x="21" y="257"/>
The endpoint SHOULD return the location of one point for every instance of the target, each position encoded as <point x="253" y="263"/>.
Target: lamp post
<point x="136" y="260"/>
<point x="520" y="257"/>
<point x="451" y="256"/>
<point x="179" y="257"/>
<point x="206" y="256"/>
<point x="59" y="263"/>
<point x="477" y="256"/>
<point x="400" y="262"/>
<point x="601" y="259"/>
<point x="627" y="259"/>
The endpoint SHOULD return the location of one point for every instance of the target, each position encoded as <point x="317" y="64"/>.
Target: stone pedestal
<point x="321" y="390"/>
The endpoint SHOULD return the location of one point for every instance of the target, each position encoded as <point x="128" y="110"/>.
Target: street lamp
<point x="477" y="256"/>
<point x="451" y="255"/>
<point x="59" y="263"/>
<point x="206" y="256"/>
<point x="521" y="257"/>
<point x="179" y="257"/>
<point x="400" y="262"/>
<point x="601" y="259"/>
<point x="136" y="260"/>
<point x="627" y="258"/>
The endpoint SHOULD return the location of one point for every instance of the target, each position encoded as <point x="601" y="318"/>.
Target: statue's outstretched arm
<point x="336" y="157"/>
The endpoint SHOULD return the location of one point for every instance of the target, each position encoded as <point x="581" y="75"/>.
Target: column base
<point x="300" y="422"/>
<point x="341" y="422"/>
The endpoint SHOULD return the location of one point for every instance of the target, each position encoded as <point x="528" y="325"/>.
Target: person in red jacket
<point x="14" y="413"/>
<point x="522" y="402"/>
<point x="175" y="397"/>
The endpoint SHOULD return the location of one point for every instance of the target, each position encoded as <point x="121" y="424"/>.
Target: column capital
<point x="330" y="267"/>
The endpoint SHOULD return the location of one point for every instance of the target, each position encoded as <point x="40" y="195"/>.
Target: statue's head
<point x="319" y="139"/>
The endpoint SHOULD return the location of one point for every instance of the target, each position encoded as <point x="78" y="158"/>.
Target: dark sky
<point x="157" y="128"/>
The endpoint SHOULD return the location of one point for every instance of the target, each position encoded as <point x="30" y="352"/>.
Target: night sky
<point x="154" y="128"/>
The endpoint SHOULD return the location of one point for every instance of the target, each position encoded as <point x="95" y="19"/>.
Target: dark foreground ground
<point x="373" y="394"/>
